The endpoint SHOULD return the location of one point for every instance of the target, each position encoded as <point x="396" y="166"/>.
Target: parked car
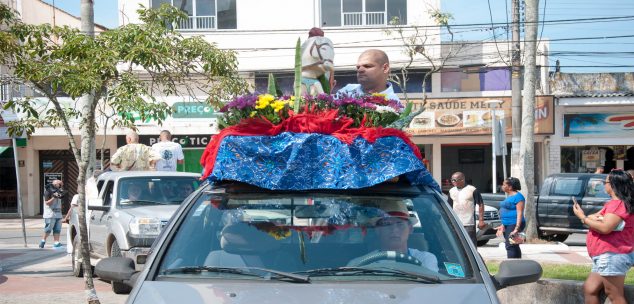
<point x="555" y="219"/>
<point x="130" y="211"/>
<point x="233" y="241"/>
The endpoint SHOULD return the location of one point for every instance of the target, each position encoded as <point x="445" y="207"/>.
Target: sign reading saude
<point x="473" y="116"/>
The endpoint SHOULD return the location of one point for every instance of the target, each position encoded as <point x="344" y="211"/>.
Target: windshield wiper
<point x="351" y="271"/>
<point x="249" y="271"/>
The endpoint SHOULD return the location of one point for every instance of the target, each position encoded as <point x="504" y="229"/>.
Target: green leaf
<point x="298" y="76"/>
<point x="272" y="89"/>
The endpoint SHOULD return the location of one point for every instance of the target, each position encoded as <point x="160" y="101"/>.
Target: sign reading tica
<point x="186" y="141"/>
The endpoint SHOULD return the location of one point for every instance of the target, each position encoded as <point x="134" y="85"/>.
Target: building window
<point x="362" y="12"/>
<point x="475" y="79"/>
<point x="205" y="14"/>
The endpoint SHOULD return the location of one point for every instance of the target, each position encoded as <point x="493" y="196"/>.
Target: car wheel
<point x="482" y="242"/>
<point x="115" y="251"/>
<point x="78" y="267"/>
<point x="118" y="288"/>
<point x="558" y="237"/>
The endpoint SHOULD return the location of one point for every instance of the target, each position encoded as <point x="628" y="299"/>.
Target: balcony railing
<point x="198" y="23"/>
<point x="361" y="19"/>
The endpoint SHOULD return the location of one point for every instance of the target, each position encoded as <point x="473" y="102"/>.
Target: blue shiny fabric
<point x="304" y="161"/>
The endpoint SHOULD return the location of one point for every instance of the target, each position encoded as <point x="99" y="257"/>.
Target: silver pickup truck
<point x="129" y="213"/>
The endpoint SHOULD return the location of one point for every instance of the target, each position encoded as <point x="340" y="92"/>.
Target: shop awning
<point x="6" y="152"/>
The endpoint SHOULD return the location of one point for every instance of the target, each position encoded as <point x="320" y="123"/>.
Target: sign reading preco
<point x="192" y="110"/>
<point x="186" y="141"/>
<point x="472" y="116"/>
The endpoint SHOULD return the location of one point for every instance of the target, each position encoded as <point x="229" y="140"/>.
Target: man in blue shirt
<point x="373" y="70"/>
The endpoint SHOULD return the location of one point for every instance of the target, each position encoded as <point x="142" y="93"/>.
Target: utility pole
<point x="527" y="147"/>
<point x="516" y="91"/>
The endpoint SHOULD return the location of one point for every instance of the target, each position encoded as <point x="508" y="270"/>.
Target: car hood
<point x="156" y="292"/>
<point x="163" y="212"/>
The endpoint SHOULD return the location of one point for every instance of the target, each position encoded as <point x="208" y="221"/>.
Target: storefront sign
<point x="590" y="155"/>
<point x="186" y="141"/>
<point x="472" y="116"/>
<point x="192" y="110"/>
<point x="50" y="177"/>
<point x="599" y="124"/>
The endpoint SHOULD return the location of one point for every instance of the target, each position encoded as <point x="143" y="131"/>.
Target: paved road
<point x="33" y="275"/>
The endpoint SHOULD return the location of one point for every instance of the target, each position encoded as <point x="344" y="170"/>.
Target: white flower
<point x="385" y="109"/>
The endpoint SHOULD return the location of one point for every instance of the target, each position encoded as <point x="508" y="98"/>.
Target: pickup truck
<point x="555" y="219"/>
<point x="131" y="209"/>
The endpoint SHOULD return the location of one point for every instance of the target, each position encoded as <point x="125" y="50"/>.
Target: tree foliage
<point x="125" y="67"/>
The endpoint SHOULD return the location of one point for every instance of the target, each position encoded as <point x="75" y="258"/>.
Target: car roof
<point x="577" y="175"/>
<point x="113" y="175"/>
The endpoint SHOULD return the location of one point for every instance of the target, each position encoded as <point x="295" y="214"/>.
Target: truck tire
<point x="118" y="288"/>
<point x="557" y="237"/>
<point x="78" y="267"/>
<point x="482" y="242"/>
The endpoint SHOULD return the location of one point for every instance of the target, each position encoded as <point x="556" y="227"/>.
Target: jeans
<point x="513" y="251"/>
<point x="53" y="224"/>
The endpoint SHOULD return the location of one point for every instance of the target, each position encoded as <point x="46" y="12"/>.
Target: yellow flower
<point x="253" y="113"/>
<point x="278" y="105"/>
<point x="263" y="101"/>
<point x="291" y="101"/>
<point x="379" y="95"/>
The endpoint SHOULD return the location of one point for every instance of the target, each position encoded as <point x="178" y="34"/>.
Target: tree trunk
<point x="86" y="160"/>
<point x="516" y="93"/>
<point x="527" y="151"/>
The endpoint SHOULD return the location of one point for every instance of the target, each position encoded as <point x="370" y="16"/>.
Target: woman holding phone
<point x="610" y="244"/>
<point x="512" y="215"/>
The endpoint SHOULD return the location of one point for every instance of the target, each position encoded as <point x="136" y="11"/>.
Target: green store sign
<point x="192" y="110"/>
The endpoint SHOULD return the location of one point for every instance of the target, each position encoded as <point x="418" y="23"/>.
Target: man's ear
<point x="386" y="68"/>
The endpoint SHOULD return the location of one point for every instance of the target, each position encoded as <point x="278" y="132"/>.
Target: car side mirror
<point x="97" y="204"/>
<point x="116" y="269"/>
<point x="517" y="272"/>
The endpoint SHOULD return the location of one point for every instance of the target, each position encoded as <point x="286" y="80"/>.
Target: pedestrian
<point x="171" y="153"/>
<point x="373" y="70"/>
<point x="610" y="239"/>
<point x="134" y="156"/>
<point x="463" y="198"/>
<point x="52" y="215"/>
<point x="512" y="215"/>
<point x="599" y="170"/>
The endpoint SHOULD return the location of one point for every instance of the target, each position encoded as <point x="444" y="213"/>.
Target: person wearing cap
<point x="393" y="229"/>
<point x="373" y="71"/>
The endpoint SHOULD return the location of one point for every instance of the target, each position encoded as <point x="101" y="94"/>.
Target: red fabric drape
<point x="328" y="123"/>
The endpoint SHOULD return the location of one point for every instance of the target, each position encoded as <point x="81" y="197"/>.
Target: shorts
<point x="612" y="264"/>
<point x="53" y="224"/>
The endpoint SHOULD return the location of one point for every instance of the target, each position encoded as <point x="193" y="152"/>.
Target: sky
<point x="575" y="55"/>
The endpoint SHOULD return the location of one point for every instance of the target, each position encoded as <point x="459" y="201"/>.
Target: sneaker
<point x="57" y="245"/>
<point x="42" y="242"/>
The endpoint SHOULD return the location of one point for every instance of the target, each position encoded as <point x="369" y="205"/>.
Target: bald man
<point x="463" y="198"/>
<point x="134" y="156"/>
<point x="373" y="70"/>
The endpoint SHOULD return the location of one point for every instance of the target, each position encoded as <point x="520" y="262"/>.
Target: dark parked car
<point x="233" y="241"/>
<point x="555" y="219"/>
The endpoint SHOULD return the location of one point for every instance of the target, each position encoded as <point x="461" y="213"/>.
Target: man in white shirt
<point x="373" y="70"/>
<point x="171" y="153"/>
<point x="463" y="198"/>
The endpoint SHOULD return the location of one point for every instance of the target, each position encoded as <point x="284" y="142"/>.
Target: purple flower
<point x="240" y="103"/>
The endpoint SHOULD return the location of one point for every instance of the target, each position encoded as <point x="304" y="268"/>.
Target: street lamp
<point x="497" y="140"/>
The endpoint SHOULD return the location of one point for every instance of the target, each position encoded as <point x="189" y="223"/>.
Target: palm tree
<point x="580" y="119"/>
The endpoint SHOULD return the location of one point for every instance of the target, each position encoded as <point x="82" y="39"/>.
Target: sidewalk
<point x="16" y="223"/>
<point x="551" y="253"/>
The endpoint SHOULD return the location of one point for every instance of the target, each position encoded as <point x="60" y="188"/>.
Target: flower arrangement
<point x="369" y="110"/>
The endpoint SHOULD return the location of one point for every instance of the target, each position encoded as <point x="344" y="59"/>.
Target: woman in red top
<point x="609" y="243"/>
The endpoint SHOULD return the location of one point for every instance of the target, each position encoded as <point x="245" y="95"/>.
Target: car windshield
<point x="141" y="191"/>
<point x="323" y="236"/>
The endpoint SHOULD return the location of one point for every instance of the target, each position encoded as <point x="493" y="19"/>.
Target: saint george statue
<point x="317" y="62"/>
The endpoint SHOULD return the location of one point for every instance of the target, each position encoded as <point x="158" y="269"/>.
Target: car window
<point x="139" y="191"/>
<point x="596" y="188"/>
<point x="567" y="187"/>
<point x="303" y="232"/>
<point x="107" y="197"/>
